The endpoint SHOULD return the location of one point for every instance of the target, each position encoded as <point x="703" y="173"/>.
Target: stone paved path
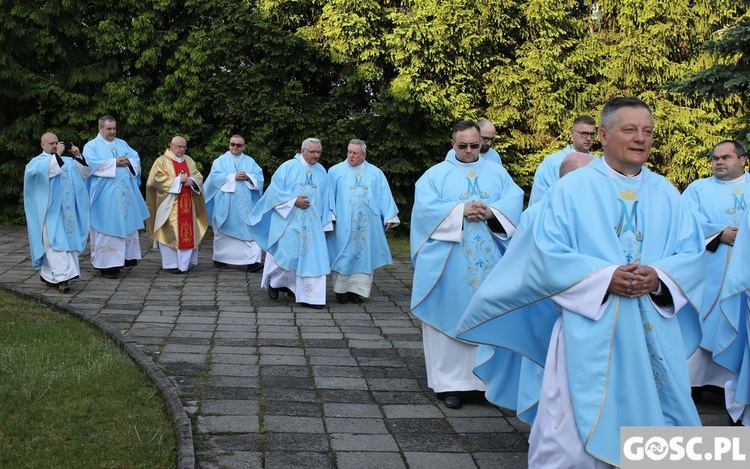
<point x="268" y="384"/>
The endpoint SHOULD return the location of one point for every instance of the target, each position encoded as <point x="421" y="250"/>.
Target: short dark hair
<point x="584" y="119"/>
<point x="607" y="117"/>
<point x="738" y="148"/>
<point x="464" y="125"/>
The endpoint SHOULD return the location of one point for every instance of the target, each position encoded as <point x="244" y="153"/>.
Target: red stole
<point x="185" y="232"/>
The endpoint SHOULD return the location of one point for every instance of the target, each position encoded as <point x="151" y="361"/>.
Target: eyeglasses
<point x="184" y="147"/>
<point x="586" y="134"/>
<point x="314" y="152"/>
<point x="464" y="146"/>
<point x="488" y="139"/>
<point x="238" y="145"/>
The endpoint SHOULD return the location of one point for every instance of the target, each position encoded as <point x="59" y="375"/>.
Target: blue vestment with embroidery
<point x="731" y="349"/>
<point x="61" y="203"/>
<point x="117" y="206"/>
<point x="296" y="242"/>
<point x="446" y="274"/>
<point x="717" y="205"/>
<point x="362" y="202"/>
<point x="629" y="366"/>
<point x="228" y="212"/>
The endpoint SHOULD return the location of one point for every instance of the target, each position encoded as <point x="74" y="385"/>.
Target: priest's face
<point x="627" y="142"/>
<point x="467" y="144"/>
<point x="236" y="145"/>
<point x="178" y="146"/>
<point x="108" y="130"/>
<point x="726" y="164"/>
<point x="312" y="153"/>
<point x="354" y="155"/>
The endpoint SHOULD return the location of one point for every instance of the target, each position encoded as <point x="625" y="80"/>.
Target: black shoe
<point x="308" y="305"/>
<point x="255" y="267"/>
<point x="354" y="298"/>
<point x="174" y="271"/>
<point x="63" y="287"/>
<point x="108" y="273"/>
<point x="219" y="265"/>
<point x="453" y="402"/>
<point x="273" y="293"/>
<point x="342" y="298"/>
<point x="131" y="262"/>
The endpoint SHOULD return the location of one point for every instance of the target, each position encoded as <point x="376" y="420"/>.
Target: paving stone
<point x="411" y="411"/>
<point x="234" y="381"/>
<point x="295" y="408"/>
<point x="292" y="424"/>
<point x="393" y="384"/>
<point x="219" y="369"/>
<point x="352" y="410"/>
<point x="418" y="426"/>
<point x="480" y="425"/>
<point x="228" y="424"/>
<point x="298" y="460"/>
<point x="356" y="425"/>
<point x="421" y="460"/>
<point x="340" y="383"/>
<point x="504" y="460"/>
<point x="337" y="371"/>
<point x="285" y="371"/>
<point x="239" y="460"/>
<point x="353" y="442"/>
<point x="229" y="407"/>
<point x="297" y="442"/>
<point x="369" y="460"/>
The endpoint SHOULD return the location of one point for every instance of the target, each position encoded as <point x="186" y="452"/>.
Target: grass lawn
<point x="399" y="244"/>
<point x="69" y="398"/>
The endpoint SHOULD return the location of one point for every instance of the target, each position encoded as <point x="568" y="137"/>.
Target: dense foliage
<point x="397" y="74"/>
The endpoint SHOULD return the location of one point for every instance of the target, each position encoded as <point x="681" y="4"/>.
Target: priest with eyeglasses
<point x="465" y="210"/>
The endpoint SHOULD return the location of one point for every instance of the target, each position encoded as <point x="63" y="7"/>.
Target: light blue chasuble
<point x="228" y="212"/>
<point x="717" y="205"/>
<point x="731" y="349"/>
<point x="447" y="274"/>
<point x="490" y="155"/>
<point x="296" y="242"/>
<point x="61" y="203"/>
<point x="628" y="367"/>
<point x="117" y="206"/>
<point x="362" y="202"/>
<point x="546" y="174"/>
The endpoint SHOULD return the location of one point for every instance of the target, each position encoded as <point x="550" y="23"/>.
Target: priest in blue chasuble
<point x="465" y="210"/>
<point x="364" y="208"/>
<point x="290" y="223"/>
<point x="618" y="251"/>
<point x="233" y="187"/>
<point x="731" y="348"/>
<point x="56" y="204"/>
<point x="720" y="203"/>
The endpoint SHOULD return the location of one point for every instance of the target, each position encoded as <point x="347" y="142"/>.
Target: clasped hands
<point x="185" y="180"/>
<point x="241" y="176"/>
<point x="302" y="202"/>
<point x="477" y="211"/>
<point x="633" y="280"/>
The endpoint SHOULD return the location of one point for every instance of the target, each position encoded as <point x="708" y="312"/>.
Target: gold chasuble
<point x="176" y="220"/>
